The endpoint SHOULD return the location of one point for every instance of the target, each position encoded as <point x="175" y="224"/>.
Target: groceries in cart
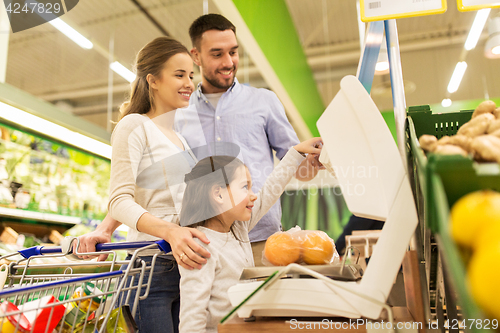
<point x="78" y="311"/>
<point x="43" y="314"/>
<point x="11" y="322"/>
<point x="75" y="296"/>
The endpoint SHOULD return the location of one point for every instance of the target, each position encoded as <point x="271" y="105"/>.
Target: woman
<point x="144" y="136"/>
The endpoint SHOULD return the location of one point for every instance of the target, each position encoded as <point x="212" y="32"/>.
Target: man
<point x="222" y="110"/>
<point x="226" y="111"/>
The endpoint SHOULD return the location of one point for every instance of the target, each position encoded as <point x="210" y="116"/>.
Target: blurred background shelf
<point x="21" y="214"/>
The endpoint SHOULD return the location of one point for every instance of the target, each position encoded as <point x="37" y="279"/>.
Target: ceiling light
<point x="122" y="71"/>
<point x="71" y="33"/>
<point x="446" y="102"/>
<point x="54" y="131"/>
<point x="457" y="76"/>
<point x="477" y="28"/>
<point x="492" y="47"/>
<point x="382" y="66"/>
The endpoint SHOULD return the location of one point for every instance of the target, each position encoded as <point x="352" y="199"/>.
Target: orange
<point x="472" y="213"/>
<point x="282" y="249"/>
<point x="317" y="248"/>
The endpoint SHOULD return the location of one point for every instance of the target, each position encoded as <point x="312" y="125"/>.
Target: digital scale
<point x="361" y="152"/>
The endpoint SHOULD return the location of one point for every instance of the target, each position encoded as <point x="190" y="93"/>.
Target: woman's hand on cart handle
<point x="187" y="252"/>
<point x="102" y="234"/>
<point x="89" y="241"/>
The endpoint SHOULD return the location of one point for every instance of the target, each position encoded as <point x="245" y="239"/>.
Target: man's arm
<point x="282" y="136"/>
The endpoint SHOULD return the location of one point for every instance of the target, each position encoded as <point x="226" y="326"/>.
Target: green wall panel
<point x="273" y="29"/>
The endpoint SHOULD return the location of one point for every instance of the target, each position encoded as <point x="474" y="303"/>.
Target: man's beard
<point x="217" y="83"/>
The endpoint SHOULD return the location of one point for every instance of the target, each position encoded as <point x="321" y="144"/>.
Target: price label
<point x="377" y="10"/>
<point x="468" y="5"/>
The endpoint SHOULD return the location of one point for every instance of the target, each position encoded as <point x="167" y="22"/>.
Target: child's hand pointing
<point x="311" y="146"/>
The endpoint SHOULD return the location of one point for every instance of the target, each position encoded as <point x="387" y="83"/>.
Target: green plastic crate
<point x="440" y="124"/>
<point x="439" y="181"/>
<point x="421" y="121"/>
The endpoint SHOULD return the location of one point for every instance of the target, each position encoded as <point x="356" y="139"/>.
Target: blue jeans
<point x="159" y="312"/>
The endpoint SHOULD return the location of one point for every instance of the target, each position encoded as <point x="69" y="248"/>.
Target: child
<point x="219" y="201"/>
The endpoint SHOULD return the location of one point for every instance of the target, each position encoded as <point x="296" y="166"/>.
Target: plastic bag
<point x="307" y="247"/>
<point x="126" y="323"/>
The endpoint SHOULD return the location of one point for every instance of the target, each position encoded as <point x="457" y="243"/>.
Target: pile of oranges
<point x="305" y="246"/>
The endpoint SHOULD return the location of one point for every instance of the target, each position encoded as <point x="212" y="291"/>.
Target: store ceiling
<point x="47" y="64"/>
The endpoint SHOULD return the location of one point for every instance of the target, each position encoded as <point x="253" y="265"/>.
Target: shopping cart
<point x="75" y="296"/>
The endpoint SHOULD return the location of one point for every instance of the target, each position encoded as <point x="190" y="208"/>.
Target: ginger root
<point x="431" y="144"/>
<point x="486" y="147"/>
<point x="496" y="113"/>
<point x="494" y="125"/>
<point x="484" y="107"/>
<point x="428" y="142"/>
<point x="476" y="126"/>
<point x="479" y="136"/>
<point x="450" y="150"/>
<point x="459" y="140"/>
<point x="496" y="133"/>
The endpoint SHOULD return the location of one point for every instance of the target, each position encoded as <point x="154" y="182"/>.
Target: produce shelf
<point x="438" y="181"/>
<point x="39" y="216"/>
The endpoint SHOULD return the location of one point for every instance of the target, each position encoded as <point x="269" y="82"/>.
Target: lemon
<point x="471" y="213"/>
<point x="483" y="276"/>
<point x="488" y="235"/>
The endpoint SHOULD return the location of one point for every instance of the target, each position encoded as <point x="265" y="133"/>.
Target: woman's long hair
<point x="198" y="205"/>
<point x="150" y="60"/>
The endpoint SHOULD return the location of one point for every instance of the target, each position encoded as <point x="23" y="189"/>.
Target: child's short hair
<point x="198" y="204"/>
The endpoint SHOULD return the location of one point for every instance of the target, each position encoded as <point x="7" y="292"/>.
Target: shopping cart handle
<point x="43" y="250"/>
<point x="162" y="245"/>
<point x="39" y="250"/>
